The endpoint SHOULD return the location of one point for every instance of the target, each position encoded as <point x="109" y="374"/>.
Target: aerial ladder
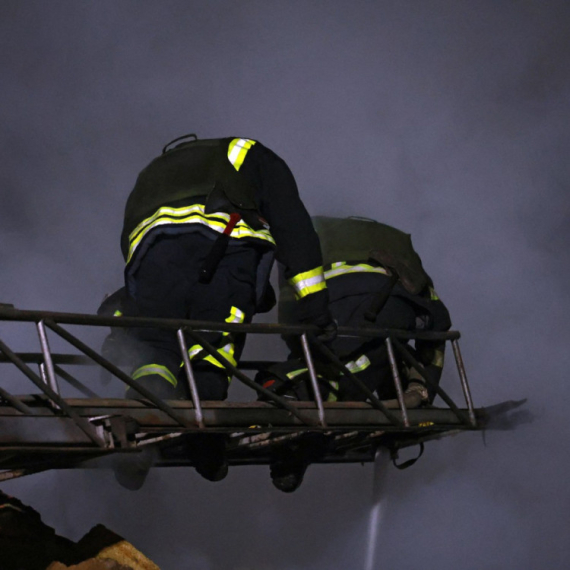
<point x="45" y="430"/>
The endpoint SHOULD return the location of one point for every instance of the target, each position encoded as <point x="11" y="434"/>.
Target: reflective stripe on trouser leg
<point x="332" y="396"/>
<point x="197" y="352"/>
<point x="155" y="369"/>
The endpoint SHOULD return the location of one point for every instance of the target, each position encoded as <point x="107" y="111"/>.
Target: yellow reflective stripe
<point x="332" y="397"/>
<point x="117" y="313"/>
<point x="308" y="282"/>
<point x="194" y="350"/>
<point x="149" y="369"/>
<point x="227" y="351"/>
<point x="438" y="359"/>
<point x="433" y="295"/>
<point x="194" y="214"/>
<point x="295" y="373"/>
<point x="236" y="316"/>
<point x="358" y="365"/>
<point x="195" y="209"/>
<point x="343" y="268"/>
<point x="237" y="150"/>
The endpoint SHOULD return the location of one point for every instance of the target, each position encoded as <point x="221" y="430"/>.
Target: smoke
<point x="448" y="120"/>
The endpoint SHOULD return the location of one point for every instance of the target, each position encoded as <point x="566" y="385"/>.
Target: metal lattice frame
<point x="68" y="431"/>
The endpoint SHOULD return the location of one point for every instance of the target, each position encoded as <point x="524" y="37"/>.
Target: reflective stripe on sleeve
<point x="158" y="369"/>
<point x="194" y="214"/>
<point x="343" y="268"/>
<point x="237" y="151"/>
<point x="308" y="282"/>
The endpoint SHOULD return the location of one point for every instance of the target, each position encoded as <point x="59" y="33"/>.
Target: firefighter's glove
<point x="328" y="328"/>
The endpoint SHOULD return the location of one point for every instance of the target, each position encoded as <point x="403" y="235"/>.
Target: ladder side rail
<point x="210" y="326"/>
<point x="78" y="319"/>
<point x="37" y="358"/>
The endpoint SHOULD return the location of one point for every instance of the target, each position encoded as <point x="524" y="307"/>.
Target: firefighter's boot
<point x="208" y="453"/>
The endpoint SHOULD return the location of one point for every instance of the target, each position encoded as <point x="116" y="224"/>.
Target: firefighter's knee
<point x="212" y="382"/>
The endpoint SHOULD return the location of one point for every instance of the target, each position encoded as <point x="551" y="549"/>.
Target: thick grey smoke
<point x="447" y="119"/>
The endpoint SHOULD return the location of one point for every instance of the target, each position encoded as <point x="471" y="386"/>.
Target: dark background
<point x="448" y="119"/>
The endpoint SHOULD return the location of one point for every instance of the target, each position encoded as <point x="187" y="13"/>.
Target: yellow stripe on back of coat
<point x="343" y="268"/>
<point x="194" y="214"/>
<point x="308" y="282"/>
<point x="237" y="151"/>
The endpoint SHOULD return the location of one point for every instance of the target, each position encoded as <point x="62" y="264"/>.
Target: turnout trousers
<point x="351" y="297"/>
<point x="368" y="359"/>
<point x="165" y="284"/>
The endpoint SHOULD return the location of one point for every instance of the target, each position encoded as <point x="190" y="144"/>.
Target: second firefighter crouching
<point x="375" y="278"/>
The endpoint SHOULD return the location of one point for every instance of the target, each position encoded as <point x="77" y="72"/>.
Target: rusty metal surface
<point x="233" y="415"/>
<point x="247" y="446"/>
<point x="33" y="430"/>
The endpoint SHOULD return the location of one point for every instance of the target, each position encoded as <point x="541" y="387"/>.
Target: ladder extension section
<point x="45" y="431"/>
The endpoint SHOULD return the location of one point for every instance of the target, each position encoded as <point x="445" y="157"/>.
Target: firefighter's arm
<point x="298" y="247"/>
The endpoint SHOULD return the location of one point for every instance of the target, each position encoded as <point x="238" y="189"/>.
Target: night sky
<point x="448" y="119"/>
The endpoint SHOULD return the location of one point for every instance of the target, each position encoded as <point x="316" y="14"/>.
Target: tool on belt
<point x="218" y="250"/>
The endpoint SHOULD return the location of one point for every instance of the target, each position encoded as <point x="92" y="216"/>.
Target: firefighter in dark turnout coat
<point x="360" y="256"/>
<point x="374" y="278"/>
<point x="178" y="266"/>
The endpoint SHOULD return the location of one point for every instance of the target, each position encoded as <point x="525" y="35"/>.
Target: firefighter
<point x="201" y="229"/>
<point x="374" y="278"/>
